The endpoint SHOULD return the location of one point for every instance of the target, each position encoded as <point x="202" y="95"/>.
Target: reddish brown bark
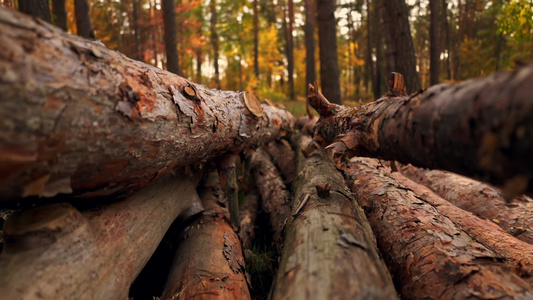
<point x="515" y="217"/>
<point x="90" y="121"/>
<point x="275" y="198"/>
<point x="56" y="252"/>
<point x="247" y="216"/>
<point x="330" y="251"/>
<point x="283" y="157"/>
<point x="429" y="253"/>
<point x="209" y="263"/>
<point x="480" y="128"/>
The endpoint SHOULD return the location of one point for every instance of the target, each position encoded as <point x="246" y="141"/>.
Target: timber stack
<point x="121" y="180"/>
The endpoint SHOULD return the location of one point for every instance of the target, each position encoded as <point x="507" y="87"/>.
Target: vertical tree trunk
<point x="136" y="11"/>
<point x="434" y="39"/>
<point x="171" y="35"/>
<point x="309" y="30"/>
<point x="369" y="45"/>
<point x="59" y="14"/>
<point x="199" y="57"/>
<point x="446" y="30"/>
<point x="327" y="40"/>
<point x="36" y="8"/>
<point x="378" y="35"/>
<point x="83" y="18"/>
<point x="290" y="49"/>
<point x="402" y="42"/>
<point x="214" y="41"/>
<point x="256" y="39"/>
<point x="389" y="46"/>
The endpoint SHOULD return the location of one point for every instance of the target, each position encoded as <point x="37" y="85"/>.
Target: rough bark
<point x="247" y="216"/>
<point x="59" y="12"/>
<point x="434" y="39"/>
<point x="56" y="252"/>
<point x="283" y="157"/>
<point x="275" y="199"/>
<point x="88" y="120"/>
<point x="515" y="217"/>
<point x="402" y="42"/>
<point x="36" y="8"/>
<point x="327" y="40"/>
<point x="227" y="170"/>
<point x="330" y="251"/>
<point x="171" y="35"/>
<point x="429" y="254"/>
<point x="83" y="19"/>
<point x="209" y="263"/>
<point x="479" y="128"/>
<point x="309" y="29"/>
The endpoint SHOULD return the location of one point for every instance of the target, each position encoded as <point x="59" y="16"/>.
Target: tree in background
<point x="309" y="29"/>
<point x="36" y="8"/>
<point x="171" y="40"/>
<point x="327" y="40"/>
<point x="83" y="19"/>
<point x="434" y="38"/>
<point x="59" y="14"/>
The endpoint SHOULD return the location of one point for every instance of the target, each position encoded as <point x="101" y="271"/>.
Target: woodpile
<point x="105" y="160"/>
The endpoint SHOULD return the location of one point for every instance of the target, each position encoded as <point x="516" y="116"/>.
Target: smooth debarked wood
<point x="330" y="251"/>
<point x="57" y="252"/>
<point x="79" y="118"/>
<point x="429" y="255"/>
<point x="515" y="217"/>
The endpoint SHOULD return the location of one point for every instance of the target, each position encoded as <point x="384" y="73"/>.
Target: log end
<point x="253" y="105"/>
<point x="396" y="85"/>
<point x="318" y="101"/>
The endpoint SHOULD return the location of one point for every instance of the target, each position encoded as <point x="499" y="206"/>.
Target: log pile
<point x="104" y="159"/>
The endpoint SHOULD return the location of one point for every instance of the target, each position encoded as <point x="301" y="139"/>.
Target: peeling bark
<point x="275" y="197"/>
<point x="56" y="252"/>
<point x="247" y="216"/>
<point x="480" y="128"/>
<point x="330" y="251"/>
<point x="515" y="217"/>
<point x="79" y="118"/>
<point x="283" y="157"/>
<point x="428" y="252"/>
<point x="209" y="263"/>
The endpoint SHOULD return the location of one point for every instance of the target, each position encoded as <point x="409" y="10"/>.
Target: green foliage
<point x="515" y="21"/>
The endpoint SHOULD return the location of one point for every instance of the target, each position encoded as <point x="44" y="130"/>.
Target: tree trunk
<point x="309" y="30"/>
<point x="402" y="42"/>
<point x="283" y="157"/>
<point x="37" y="8"/>
<point x="389" y="46"/>
<point x="327" y="40"/>
<point x="209" y="263"/>
<point x="275" y="199"/>
<point x="290" y="49"/>
<point x="136" y="15"/>
<point x="171" y="35"/>
<point x="369" y="45"/>
<point x="430" y="255"/>
<point x="214" y="41"/>
<point x="59" y="14"/>
<point x="482" y="200"/>
<point x="83" y="19"/>
<point x="56" y="252"/>
<point x="256" y="38"/>
<point x="247" y="217"/>
<point x="89" y="120"/>
<point x="330" y="251"/>
<point x="378" y="42"/>
<point x="490" y="120"/>
<point x="434" y="38"/>
<point x="447" y="39"/>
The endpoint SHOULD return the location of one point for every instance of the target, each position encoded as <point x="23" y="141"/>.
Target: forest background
<point x="263" y="46"/>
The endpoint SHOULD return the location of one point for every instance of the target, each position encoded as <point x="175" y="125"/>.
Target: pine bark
<point x="330" y="251"/>
<point x="36" y="8"/>
<point x="171" y="35"/>
<point x="327" y="40"/>
<point x="89" y="121"/>
<point x="515" y="217"/>
<point x="283" y="157"/>
<point x="434" y="42"/>
<point x="56" y="252"/>
<point x="489" y="120"/>
<point x="209" y="263"/>
<point x="427" y="248"/>
<point x="83" y="19"/>
<point x="309" y="30"/>
<point x="59" y="12"/>
<point x="402" y="42"/>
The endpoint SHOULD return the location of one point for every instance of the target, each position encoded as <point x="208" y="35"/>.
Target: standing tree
<point x="309" y="29"/>
<point x="402" y="43"/>
<point x="371" y="78"/>
<point x="83" y="19"/>
<point x="136" y="11"/>
<point x="36" y="8"/>
<point x="290" y="49"/>
<point x="171" y="36"/>
<point x="214" y="41"/>
<point x="434" y="50"/>
<point x="256" y="39"/>
<point x="59" y="12"/>
<point x="327" y="41"/>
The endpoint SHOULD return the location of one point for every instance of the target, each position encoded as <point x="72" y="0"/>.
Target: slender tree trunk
<point x="446" y="30"/>
<point x="309" y="30"/>
<point x="256" y="38"/>
<point x="434" y="39"/>
<point x="136" y="14"/>
<point x="389" y="46"/>
<point x="378" y="35"/>
<point x="214" y="41"/>
<point x="171" y="35"/>
<point x="290" y="49"/>
<point x="402" y="42"/>
<point x="59" y="14"/>
<point x="83" y="19"/>
<point x="199" y="58"/>
<point x="327" y="39"/>
<point x="36" y="8"/>
<point x="369" y="45"/>
<point x="117" y="124"/>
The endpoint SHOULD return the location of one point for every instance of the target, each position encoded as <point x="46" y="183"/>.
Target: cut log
<point x="275" y="198"/>
<point x="247" y="216"/>
<point x="429" y="255"/>
<point x="515" y="217"/>
<point x="330" y="251"/>
<point x="79" y="118"/>
<point x="56" y="252"/>
<point x="283" y="157"/>
<point x="209" y="263"/>
<point x="480" y="128"/>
